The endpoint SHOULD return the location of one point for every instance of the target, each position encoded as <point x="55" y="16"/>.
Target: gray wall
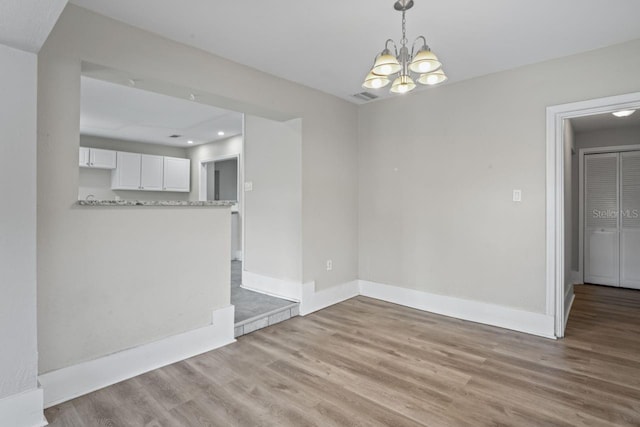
<point x="74" y="243"/>
<point x="112" y="278"/>
<point x="98" y="181"/>
<point x="608" y="137"/>
<point x="18" y="353"/>
<point x="272" y="209"/>
<point x="329" y="133"/>
<point x="460" y="150"/>
<point x="593" y="139"/>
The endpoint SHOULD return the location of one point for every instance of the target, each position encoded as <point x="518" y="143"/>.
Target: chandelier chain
<point x="404" y="40"/>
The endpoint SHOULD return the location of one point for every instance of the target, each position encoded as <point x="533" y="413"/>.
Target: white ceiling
<point x="115" y="111"/>
<point x="605" y="121"/>
<point x="26" y="24"/>
<point x="330" y="44"/>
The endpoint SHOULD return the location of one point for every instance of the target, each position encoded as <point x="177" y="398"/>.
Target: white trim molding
<point x="280" y="288"/>
<point x="555" y="192"/>
<point x="314" y="301"/>
<point x="23" y="409"/>
<point x="568" y="303"/>
<point x="474" y="311"/>
<point x="68" y="383"/>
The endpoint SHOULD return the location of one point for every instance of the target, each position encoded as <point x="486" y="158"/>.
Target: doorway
<point x="220" y="179"/>
<point x="222" y="176"/>
<point x="560" y="276"/>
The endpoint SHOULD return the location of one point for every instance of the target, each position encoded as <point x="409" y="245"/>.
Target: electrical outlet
<point x="517" y="195"/>
<point x="329" y="265"/>
<point x="248" y="186"/>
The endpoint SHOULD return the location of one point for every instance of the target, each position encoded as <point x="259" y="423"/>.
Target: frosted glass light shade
<point x="624" y="113"/>
<point x="386" y="64"/>
<point x="403" y="84"/>
<point x="373" y="81"/>
<point x="424" y="61"/>
<point x="433" y="78"/>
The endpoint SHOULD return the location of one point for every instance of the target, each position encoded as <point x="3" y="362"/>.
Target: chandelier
<point x="421" y="65"/>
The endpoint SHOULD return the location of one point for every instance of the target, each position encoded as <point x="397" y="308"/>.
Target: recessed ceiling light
<point x="624" y="113"/>
<point x="220" y="133"/>
<point x="189" y="142"/>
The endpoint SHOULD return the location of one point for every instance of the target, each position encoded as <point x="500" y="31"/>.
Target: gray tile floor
<point x="250" y="304"/>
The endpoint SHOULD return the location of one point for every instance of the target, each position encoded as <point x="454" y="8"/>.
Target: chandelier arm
<point x="424" y="43"/>
<point x="395" y="47"/>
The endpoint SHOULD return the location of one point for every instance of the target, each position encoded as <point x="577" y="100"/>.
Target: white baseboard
<point x="270" y="286"/>
<point x="314" y="301"/>
<point x="489" y="314"/>
<point x="23" y="409"/>
<point x="68" y="383"/>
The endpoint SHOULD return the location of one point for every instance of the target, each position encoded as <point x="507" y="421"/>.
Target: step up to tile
<point x="266" y="319"/>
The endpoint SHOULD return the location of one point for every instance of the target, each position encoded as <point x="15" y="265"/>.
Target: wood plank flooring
<point x="368" y="363"/>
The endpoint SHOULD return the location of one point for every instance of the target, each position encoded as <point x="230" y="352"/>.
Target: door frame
<point x="581" y="153"/>
<point x="555" y="271"/>
<point x="202" y="175"/>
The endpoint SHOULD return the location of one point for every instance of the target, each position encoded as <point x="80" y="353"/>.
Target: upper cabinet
<point x="97" y="158"/>
<point x="150" y="173"/>
<point x="177" y="174"/>
<point x="103" y="159"/>
<point x="84" y="157"/>
<point x="126" y="176"/>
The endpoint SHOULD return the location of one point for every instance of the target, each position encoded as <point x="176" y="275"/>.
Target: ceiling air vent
<point x="175" y="136"/>
<point x="365" y="96"/>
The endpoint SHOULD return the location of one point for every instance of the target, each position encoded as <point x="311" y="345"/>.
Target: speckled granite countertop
<point x="216" y="203"/>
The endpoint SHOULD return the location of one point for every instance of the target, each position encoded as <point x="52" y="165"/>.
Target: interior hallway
<point x="366" y="362"/>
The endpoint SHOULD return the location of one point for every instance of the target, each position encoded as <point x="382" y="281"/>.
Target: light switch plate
<point x="517" y="195"/>
<point x="248" y="186"/>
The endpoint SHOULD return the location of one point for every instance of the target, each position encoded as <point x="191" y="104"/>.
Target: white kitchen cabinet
<point x="151" y="172"/>
<point x="177" y="174"/>
<point x="97" y="158"/>
<point x="126" y="176"/>
<point x="138" y="172"/>
<point x="102" y="159"/>
<point x="84" y="157"/>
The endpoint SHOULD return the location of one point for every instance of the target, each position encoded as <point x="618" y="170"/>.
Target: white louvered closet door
<point x="601" y="234"/>
<point x="630" y="219"/>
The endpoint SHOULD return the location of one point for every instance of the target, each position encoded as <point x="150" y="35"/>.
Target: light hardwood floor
<point x="368" y="363"/>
